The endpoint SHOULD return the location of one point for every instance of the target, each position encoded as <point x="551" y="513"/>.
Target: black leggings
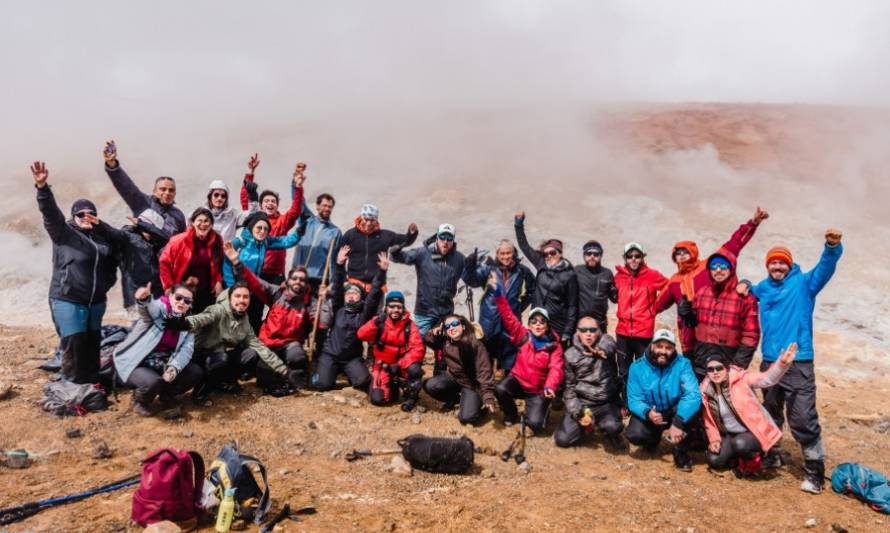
<point x="628" y="350"/>
<point x="537" y="406"/>
<point x="327" y="368"/>
<point x="445" y="389"/>
<point x="292" y="354"/>
<point x="740" y="445"/>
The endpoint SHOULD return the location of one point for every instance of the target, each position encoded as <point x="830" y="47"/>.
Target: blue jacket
<point x="786" y="307"/>
<point x="672" y="389"/>
<point x="252" y="252"/>
<point x="318" y="236"/>
<point x="518" y="288"/>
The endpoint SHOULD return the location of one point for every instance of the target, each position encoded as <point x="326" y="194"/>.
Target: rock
<point x="283" y="472"/>
<point x="73" y="433"/>
<point x="400" y="467"/>
<point x="416" y="418"/>
<point x="487" y="473"/>
<point x="312" y="425"/>
<point x="339" y="399"/>
<point x="300" y="450"/>
<point x="837" y="528"/>
<point x="525" y="467"/>
<point x="883" y="427"/>
<point x="389" y="525"/>
<point x="5" y="390"/>
<point x="162" y="527"/>
<point x="335" y="454"/>
<point x="188" y="434"/>
<point x="421" y="409"/>
<point x="102" y="451"/>
<point x="601" y="477"/>
<point x="353" y="402"/>
<point x="810" y="523"/>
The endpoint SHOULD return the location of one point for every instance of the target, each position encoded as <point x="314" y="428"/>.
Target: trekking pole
<point x="310" y="350"/>
<point x="20" y="512"/>
<point x="367" y="452"/>
<point x="520" y="455"/>
<point x="470" y="312"/>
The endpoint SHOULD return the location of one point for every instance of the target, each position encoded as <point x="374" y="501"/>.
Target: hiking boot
<point x="167" y="401"/>
<point x="651" y="449"/>
<point x="616" y="442"/>
<point x="229" y="387"/>
<point x="447" y="407"/>
<point x="811" y="485"/>
<point x="409" y="404"/>
<point x="201" y="393"/>
<point x="682" y="460"/>
<point x="814" y="474"/>
<point x="140" y="409"/>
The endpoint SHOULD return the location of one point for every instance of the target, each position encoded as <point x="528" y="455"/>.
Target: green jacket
<point x="217" y="329"/>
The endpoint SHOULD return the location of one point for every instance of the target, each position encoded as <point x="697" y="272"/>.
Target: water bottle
<point x="226" y="511"/>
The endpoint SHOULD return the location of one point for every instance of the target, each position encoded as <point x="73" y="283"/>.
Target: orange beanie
<point x="779" y="253"/>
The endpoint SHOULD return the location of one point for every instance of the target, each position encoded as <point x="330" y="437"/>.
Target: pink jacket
<point x="746" y="404"/>
<point x="534" y="369"/>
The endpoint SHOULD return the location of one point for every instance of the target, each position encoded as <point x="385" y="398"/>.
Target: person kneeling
<point x="739" y="428"/>
<point x="398" y="353"/>
<point x="468" y="378"/>
<point x="591" y="388"/>
<point x="662" y="394"/>
<point x="538" y="369"/>
<point x="156" y="359"/>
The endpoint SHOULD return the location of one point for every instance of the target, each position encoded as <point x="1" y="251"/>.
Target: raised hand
<point x="833" y="236"/>
<point x="412" y="228"/>
<point x="252" y="163"/>
<point x="343" y="254"/>
<point x="788" y="354"/>
<point x="110" y="154"/>
<point x="760" y="215"/>
<point x="143" y="293"/>
<point x="299" y="174"/>
<point x="519" y="217"/>
<point x="383" y="261"/>
<point x="231" y="252"/>
<point x="40" y="174"/>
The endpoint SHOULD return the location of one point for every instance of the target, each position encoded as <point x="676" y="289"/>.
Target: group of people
<point x="213" y="305"/>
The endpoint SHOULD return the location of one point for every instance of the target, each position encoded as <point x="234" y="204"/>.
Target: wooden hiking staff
<point x="310" y="350"/>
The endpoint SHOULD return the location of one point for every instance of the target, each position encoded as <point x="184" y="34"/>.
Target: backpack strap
<point x="265" y="500"/>
<point x="198" y="471"/>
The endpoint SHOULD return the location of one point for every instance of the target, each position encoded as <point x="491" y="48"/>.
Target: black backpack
<point x="232" y="469"/>
<point x="438" y="454"/>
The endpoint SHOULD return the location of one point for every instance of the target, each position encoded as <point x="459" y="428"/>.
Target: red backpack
<point x="170" y="488"/>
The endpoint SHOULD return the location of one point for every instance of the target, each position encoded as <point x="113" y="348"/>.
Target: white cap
<point x="152" y="218"/>
<point x="634" y="246"/>
<point x="665" y="335"/>
<point x="447" y="228"/>
<point x="218" y="184"/>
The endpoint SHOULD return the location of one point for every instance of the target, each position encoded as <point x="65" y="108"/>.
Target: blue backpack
<point x="863" y="483"/>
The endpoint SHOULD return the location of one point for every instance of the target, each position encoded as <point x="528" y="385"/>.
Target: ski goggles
<point x="451" y="324"/>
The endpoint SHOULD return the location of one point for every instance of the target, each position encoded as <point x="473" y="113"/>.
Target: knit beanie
<point x="370" y="211"/>
<point x="395" y="296"/>
<point x="552" y="243"/>
<point x="594" y="246"/>
<point x="256" y="217"/>
<point x="779" y="253"/>
<point x="82" y="205"/>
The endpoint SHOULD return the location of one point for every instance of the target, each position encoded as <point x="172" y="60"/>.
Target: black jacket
<point x="83" y="262"/>
<point x="341" y="342"/>
<point x="138" y="201"/>
<point x="137" y="257"/>
<point x="556" y="289"/>
<point x="595" y="289"/>
<point x="364" y="249"/>
<point x="437" y="277"/>
<point x="589" y="380"/>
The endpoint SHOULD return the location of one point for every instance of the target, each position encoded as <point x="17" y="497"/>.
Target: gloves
<point x="684" y="309"/>
<point x="251" y="188"/>
<point x="177" y="323"/>
<point x="518" y="221"/>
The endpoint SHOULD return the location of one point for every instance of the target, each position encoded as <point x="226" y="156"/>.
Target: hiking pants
<point x="80" y="331"/>
<point x="537" y="406"/>
<point x="445" y="389"/>
<point x="503" y="351"/>
<point x="628" y="350"/>
<point x="327" y="368"/>
<point x="795" y="397"/>
<point x="292" y="354"/>
<point x="384" y="387"/>
<point x="226" y="367"/>
<point x="644" y="433"/>
<point x="606" y="419"/>
<point x="149" y="383"/>
<point x="739" y="445"/>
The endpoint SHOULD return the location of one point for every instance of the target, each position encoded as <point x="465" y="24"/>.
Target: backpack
<point x="862" y="483"/>
<point x="438" y="454"/>
<point x="231" y="469"/>
<point x="64" y="398"/>
<point x="112" y="335"/>
<point x="170" y="487"/>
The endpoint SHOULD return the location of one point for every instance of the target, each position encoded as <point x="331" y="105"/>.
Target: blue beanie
<point x="395" y="296"/>
<point x="719" y="260"/>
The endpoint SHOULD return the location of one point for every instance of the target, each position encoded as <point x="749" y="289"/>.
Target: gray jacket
<point x="145" y="335"/>
<point x="589" y="380"/>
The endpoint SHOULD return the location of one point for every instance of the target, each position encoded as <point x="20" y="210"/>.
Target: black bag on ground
<point x="63" y="398"/>
<point x="438" y="454"/>
<point x="231" y="469"/>
<point x="112" y="335"/>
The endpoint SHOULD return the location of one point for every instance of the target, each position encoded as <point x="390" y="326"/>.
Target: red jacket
<point x="275" y="260"/>
<point x="392" y="347"/>
<point x="535" y="370"/>
<point x="289" y="319"/>
<point x="724" y="317"/>
<point x="693" y="275"/>
<point x="175" y="258"/>
<point x="637" y="295"/>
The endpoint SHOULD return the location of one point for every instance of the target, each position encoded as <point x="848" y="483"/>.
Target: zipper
<point x="95" y="269"/>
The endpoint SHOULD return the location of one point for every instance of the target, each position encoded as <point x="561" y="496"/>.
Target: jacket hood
<point x="732" y="281"/>
<point x="692" y="263"/>
<point x="561" y="266"/>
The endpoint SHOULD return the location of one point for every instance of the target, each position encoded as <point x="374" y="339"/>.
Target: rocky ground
<point x="303" y="440"/>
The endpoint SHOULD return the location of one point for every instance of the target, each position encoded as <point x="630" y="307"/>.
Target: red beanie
<point x="779" y="253"/>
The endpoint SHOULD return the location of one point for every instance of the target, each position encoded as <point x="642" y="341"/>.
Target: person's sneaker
<point x="684" y="466"/>
<point x="811" y="485"/>
<point x="229" y="388"/>
<point x="140" y="409"/>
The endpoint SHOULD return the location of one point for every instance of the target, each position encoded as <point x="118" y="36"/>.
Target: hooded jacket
<point x="589" y="379"/>
<point x="670" y="390"/>
<point x="289" y="318"/>
<point x="138" y="258"/>
<point x="138" y="201"/>
<point x="693" y="275"/>
<point x="342" y="342"/>
<point x="744" y="403"/>
<point x="281" y="223"/>
<point x="786" y="307"/>
<point x="219" y="329"/>
<point x="362" y="264"/>
<point x="556" y="287"/>
<point x="596" y="286"/>
<point x="727" y="322"/>
<point x="637" y="295"/>
<point x="392" y="348"/>
<point x="318" y="236"/>
<point x="175" y="258"/>
<point x="535" y="369"/>
<point x="84" y="265"/>
<point x="253" y="253"/>
<point x="227" y="220"/>
<point x="437" y="277"/>
<point x="467" y="363"/>
<point x="145" y="335"/>
<point x="518" y="286"/>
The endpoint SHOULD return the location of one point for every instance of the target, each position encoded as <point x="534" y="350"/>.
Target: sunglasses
<point x="219" y="195"/>
<point x="445" y="237"/>
<point x="301" y="279"/>
<point x="720" y="267"/>
<point x="395" y="306"/>
<point x="83" y="214"/>
<point x="264" y="229"/>
<point x="552" y="253"/>
<point x="181" y="298"/>
<point x="593" y="253"/>
<point x="633" y="256"/>
<point x="451" y="324"/>
<point x="537" y="320"/>
<point x="588" y="330"/>
<point x="716" y="368"/>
